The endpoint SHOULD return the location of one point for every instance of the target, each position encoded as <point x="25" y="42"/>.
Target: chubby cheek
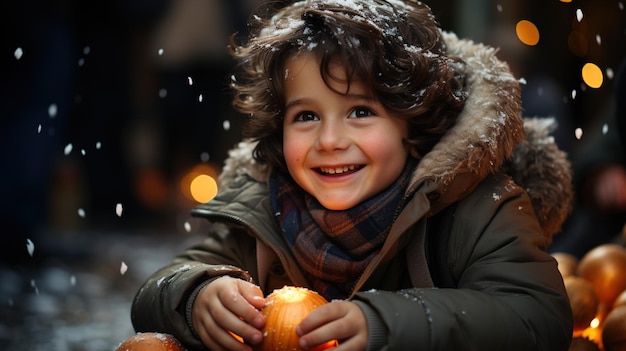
<point x="379" y="148"/>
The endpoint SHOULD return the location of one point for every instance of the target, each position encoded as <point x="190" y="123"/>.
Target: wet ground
<point x="78" y="296"/>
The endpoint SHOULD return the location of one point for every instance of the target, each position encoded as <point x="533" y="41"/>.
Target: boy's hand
<point x="339" y="320"/>
<point x="228" y="304"/>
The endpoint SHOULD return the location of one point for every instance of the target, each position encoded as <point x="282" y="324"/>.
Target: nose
<point x="332" y="135"/>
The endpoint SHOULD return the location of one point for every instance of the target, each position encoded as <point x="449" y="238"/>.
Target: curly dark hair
<point x="395" y="47"/>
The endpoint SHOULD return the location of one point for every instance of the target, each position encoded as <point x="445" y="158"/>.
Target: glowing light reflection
<point x="527" y="32"/>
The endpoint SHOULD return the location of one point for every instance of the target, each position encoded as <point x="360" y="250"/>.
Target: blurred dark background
<point x="108" y="108"/>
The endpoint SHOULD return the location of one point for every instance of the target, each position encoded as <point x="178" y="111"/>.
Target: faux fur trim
<point x="240" y="162"/>
<point x="489" y="126"/>
<point x="545" y="172"/>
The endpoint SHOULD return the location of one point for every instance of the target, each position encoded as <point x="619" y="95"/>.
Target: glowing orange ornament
<point x="566" y="263"/>
<point x="284" y="310"/>
<point x="614" y="330"/>
<point x="583" y="301"/>
<point x="620" y="300"/>
<point x="150" y="342"/>
<point x="605" y="267"/>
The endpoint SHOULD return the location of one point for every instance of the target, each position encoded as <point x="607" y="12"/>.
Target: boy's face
<point x="342" y="149"/>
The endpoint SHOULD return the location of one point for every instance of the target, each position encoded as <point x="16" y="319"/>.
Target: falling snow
<point x="205" y="157"/>
<point x="123" y="268"/>
<point x="52" y="110"/>
<point x="81" y="213"/>
<point x="34" y="286"/>
<point x="68" y="149"/>
<point x="579" y="15"/>
<point x="578" y="133"/>
<point x="30" y="247"/>
<point x="18" y="53"/>
<point x="118" y="210"/>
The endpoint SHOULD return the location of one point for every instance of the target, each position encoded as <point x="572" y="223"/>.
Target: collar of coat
<point x="489" y="136"/>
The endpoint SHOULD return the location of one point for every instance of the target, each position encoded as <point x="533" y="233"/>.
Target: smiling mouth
<point x="339" y="170"/>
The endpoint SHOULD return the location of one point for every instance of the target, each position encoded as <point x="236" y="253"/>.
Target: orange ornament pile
<point x="603" y="269"/>
<point x="284" y="310"/>
<point x="614" y="330"/>
<point x="583" y="300"/>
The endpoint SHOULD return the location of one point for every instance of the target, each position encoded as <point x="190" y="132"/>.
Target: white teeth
<point x="338" y="170"/>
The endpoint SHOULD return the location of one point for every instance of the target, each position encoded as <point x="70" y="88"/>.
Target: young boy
<point x="374" y="174"/>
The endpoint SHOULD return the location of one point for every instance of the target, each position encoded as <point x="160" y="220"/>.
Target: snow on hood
<point x="487" y="129"/>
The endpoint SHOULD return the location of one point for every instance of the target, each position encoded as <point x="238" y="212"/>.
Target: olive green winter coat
<point x="464" y="266"/>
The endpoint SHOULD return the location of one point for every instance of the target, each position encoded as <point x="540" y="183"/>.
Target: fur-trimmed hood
<point x="490" y="135"/>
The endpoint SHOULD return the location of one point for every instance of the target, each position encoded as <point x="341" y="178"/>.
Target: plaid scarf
<point x="335" y="247"/>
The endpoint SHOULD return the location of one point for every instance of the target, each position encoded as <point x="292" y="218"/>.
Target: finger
<point x="350" y="345"/>
<point x="228" y="318"/>
<point x="253" y="294"/>
<point x="326" y="333"/>
<point x="218" y="339"/>
<point x="320" y="316"/>
<point x="239" y="306"/>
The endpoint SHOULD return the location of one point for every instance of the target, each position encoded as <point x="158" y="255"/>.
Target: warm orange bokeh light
<point x="199" y="183"/>
<point x="527" y="32"/>
<point x="203" y="188"/>
<point x="592" y="75"/>
<point x="566" y="1"/>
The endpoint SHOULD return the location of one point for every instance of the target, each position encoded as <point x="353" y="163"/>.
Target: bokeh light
<point x="527" y="32"/>
<point x="203" y="188"/>
<point x="199" y="183"/>
<point x="592" y="75"/>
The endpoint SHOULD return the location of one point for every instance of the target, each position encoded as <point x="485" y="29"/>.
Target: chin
<point x="337" y="206"/>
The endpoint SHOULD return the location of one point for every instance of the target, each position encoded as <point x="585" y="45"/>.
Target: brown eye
<point x="306" y="116"/>
<point x="361" y="112"/>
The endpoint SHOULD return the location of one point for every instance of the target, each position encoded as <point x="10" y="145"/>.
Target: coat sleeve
<point x="510" y="294"/>
<point x="160" y="303"/>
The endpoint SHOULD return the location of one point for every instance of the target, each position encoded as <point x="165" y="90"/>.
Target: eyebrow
<point x="303" y="101"/>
